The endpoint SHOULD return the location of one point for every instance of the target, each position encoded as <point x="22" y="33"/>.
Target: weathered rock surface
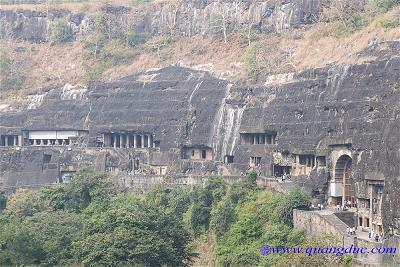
<point x="341" y="110"/>
<point x="186" y="18"/>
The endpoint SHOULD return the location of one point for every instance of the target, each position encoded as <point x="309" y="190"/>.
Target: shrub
<point x="383" y="6"/>
<point x="115" y="52"/>
<point x="5" y="67"/>
<point x="387" y="22"/>
<point x="3" y="201"/>
<point x="250" y="60"/>
<point x="296" y="199"/>
<point x="156" y="43"/>
<point x="61" y="32"/>
<point x="136" y="37"/>
<point x="94" y="75"/>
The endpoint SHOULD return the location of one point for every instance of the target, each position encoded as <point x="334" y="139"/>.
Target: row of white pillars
<point x="49" y="142"/>
<point x="121" y="140"/>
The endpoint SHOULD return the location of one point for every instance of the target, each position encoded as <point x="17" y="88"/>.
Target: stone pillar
<point x="134" y="141"/>
<point x="149" y="141"/>
<point x="122" y="140"/>
<point x="142" y="144"/>
<point x="115" y="140"/>
<point x="105" y="139"/>
<point x="48" y="142"/>
<point x="15" y="140"/>
<point x="272" y="139"/>
<point x="128" y="140"/>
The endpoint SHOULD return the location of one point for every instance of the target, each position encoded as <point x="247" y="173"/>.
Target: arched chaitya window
<point x="343" y="175"/>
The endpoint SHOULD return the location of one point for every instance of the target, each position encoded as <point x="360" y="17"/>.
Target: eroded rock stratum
<point x="334" y="131"/>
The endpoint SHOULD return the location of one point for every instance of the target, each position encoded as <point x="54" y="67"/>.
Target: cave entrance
<point x="281" y="171"/>
<point x="343" y="176"/>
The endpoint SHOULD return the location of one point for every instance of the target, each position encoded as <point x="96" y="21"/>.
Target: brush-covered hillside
<point x="47" y="44"/>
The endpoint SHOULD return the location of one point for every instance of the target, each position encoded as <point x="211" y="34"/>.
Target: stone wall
<point x="316" y="224"/>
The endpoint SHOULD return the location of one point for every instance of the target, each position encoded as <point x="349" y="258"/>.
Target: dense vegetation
<point x="93" y="222"/>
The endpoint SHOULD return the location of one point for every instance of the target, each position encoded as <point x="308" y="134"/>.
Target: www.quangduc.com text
<point x="338" y="251"/>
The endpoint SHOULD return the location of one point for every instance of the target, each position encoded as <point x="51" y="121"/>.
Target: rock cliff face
<point x="207" y="17"/>
<point x="334" y="130"/>
<point x="187" y="18"/>
<point x="36" y="26"/>
<point x="176" y="104"/>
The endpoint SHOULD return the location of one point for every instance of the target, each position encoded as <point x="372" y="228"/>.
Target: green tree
<point x="215" y="188"/>
<point x="200" y="210"/>
<point x="241" y="245"/>
<point x="17" y="244"/>
<point x="24" y="202"/>
<point x="296" y="199"/>
<point x="245" y="190"/>
<point x="87" y="188"/>
<point x="44" y="238"/>
<point x="179" y="201"/>
<point x="133" y="233"/>
<point x="55" y="231"/>
<point x="203" y="199"/>
<point x="223" y="216"/>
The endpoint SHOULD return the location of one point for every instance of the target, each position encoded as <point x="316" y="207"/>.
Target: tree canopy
<point x="94" y="222"/>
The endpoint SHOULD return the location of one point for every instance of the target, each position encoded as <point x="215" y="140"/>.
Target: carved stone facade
<point x="175" y="122"/>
